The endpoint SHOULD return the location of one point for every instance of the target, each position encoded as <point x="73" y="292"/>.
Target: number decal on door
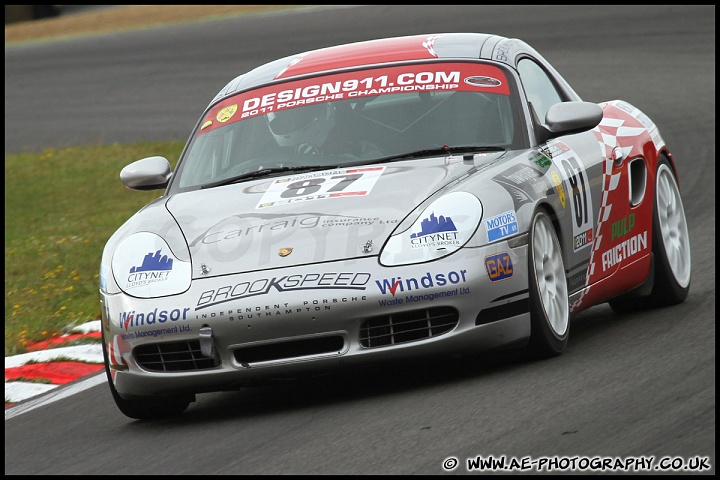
<point x="580" y="199"/>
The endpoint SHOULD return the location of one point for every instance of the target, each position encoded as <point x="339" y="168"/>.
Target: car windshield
<point x="352" y="118"/>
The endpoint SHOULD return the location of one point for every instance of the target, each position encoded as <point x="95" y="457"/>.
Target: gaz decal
<point x="321" y="185"/>
<point x="499" y="267"/>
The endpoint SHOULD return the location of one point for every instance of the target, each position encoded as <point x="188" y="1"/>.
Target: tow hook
<point x="206" y="342"/>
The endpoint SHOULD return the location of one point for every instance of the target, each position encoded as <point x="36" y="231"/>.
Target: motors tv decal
<point x="501" y="226"/>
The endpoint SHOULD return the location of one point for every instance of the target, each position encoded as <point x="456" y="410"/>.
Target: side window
<point x="539" y="88"/>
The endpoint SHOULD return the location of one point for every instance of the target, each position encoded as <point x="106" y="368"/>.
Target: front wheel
<point x="549" y="305"/>
<point x="145" y="408"/>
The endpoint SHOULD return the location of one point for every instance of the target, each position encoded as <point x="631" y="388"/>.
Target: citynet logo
<point x="154" y="268"/>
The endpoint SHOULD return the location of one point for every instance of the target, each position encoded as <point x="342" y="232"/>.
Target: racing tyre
<point x="549" y="305"/>
<point x="149" y="408"/>
<point x="670" y="248"/>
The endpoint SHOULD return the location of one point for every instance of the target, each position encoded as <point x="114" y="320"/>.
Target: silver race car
<point x="372" y="201"/>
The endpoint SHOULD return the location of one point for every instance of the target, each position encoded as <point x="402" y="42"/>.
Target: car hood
<point x="298" y="219"/>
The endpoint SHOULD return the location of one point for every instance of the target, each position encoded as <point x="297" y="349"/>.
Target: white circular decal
<point x="144" y="266"/>
<point x="442" y="228"/>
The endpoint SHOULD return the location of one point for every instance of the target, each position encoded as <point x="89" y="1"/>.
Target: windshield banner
<point x="430" y="77"/>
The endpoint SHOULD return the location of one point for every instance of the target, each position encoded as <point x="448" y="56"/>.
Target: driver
<point x="314" y="129"/>
<point x="304" y="128"/>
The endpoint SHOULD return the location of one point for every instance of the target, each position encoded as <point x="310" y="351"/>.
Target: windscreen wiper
<point x="264" y="172"/>
<point x="440" y="150"/>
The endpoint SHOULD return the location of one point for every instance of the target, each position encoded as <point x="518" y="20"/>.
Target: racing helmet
<point x="297" y="126"/>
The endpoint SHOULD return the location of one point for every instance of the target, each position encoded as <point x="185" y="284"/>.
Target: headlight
<point x="442" y="228"/>
<point x="144" y="266"/>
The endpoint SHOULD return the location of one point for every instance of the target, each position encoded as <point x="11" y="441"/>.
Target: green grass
<point x="27" y="380"/>
<point x="61" y="206"/>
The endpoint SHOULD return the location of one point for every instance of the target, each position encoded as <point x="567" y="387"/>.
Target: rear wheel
<point x="145" y="408"/>
<point x="670" y="248"/>
<point x="549" y="305"/>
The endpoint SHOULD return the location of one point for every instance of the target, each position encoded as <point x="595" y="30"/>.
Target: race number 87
<point x="314" y="185"/>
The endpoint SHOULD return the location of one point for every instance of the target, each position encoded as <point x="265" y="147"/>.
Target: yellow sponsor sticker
<point x="558" y="185"/>
<point x="226" y="113"/>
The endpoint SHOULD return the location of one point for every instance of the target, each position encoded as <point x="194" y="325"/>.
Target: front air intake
<point x="404" y="327"/>
<point x="183" y="356"/>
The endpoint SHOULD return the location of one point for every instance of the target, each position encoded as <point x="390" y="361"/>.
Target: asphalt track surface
<point x="636" y="385"/>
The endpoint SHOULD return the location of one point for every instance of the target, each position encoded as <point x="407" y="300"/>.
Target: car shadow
<point x="597" y="325"/>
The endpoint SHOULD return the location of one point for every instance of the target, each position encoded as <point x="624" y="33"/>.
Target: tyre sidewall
<point x="544" y="341"/>
<point x="666" y="289"/>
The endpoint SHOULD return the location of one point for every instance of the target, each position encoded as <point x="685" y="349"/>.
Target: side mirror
<point x="150" y="173"/>
<point x="567" y="118"/>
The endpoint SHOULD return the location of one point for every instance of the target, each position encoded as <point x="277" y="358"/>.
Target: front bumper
<point x="230" y="331"/>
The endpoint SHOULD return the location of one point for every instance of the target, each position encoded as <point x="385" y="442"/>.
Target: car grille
<point x="289" y="349"/>
<point x="406" y="327"/>
<point x="173" y="357"/>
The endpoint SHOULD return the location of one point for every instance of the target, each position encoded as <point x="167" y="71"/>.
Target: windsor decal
<point x="428" y="287"/>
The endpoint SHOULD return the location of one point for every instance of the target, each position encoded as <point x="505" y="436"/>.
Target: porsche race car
<point x="379" y="200"/>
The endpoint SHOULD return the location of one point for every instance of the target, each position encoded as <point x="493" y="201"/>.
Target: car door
<point x="584" y="179"/>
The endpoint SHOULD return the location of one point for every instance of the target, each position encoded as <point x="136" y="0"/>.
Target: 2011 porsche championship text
<point x="405" y="82"/>
<point x="346" y="86"/>
<point x="580" y="464"/>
